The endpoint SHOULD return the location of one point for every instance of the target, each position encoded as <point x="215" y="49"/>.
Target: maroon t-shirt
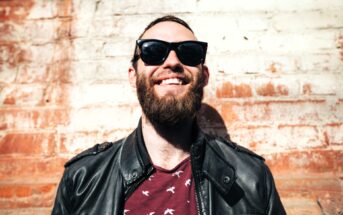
<point x="165" y="192"/>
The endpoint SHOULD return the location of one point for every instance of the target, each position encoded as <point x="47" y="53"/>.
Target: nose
<point x="172" y="61"/>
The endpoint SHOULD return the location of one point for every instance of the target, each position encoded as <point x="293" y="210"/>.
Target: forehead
<point x="169" y="31"/>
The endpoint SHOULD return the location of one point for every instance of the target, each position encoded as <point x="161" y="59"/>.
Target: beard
<point x="169" y="110"/>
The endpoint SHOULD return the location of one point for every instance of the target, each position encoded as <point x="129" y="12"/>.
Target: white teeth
<point x="171" y="81"/>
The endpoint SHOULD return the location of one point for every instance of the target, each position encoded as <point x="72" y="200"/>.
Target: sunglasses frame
<point x="171" y="46"/>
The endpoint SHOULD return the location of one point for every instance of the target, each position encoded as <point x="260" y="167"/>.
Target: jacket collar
<point x="207" y="160"/>
<point x="134" y="158"/>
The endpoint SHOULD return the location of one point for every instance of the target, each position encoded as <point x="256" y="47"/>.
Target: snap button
<point x="226" y="179"/>
<point x="196" y="151"/>
<point x="134" y="174"/>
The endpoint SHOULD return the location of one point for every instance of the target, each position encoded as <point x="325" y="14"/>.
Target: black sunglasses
<point x="155" y="52"/>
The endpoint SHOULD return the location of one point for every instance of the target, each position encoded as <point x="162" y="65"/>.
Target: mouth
<point x="172" y="81"/>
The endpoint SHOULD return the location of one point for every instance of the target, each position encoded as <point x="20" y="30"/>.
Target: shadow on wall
<point x="211" y="121"/>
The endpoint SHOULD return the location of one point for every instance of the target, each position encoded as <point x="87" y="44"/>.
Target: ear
<point x="132" y="76"/>
<point x="206" y="74"/>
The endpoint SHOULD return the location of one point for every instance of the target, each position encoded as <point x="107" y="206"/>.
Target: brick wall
<point x="276" y="87"/>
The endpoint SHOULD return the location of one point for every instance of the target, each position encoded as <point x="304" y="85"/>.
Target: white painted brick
<point x="104" y="118"/>
<point x="325" y="62"/>
<point x="272" y="139"/>
<point x="302" y="20"/>
<point x="324" y="84"/>
<point x="84" y="9"/>
<point x="265" y="5"/>
<point x="113" y="69"/>
<point x="41" y="31"/>
<point x="81" y="27"/>
<point x="33" y="31"/>
<point x="144" y="7"/>
<point x="6" y="74"/>
<point x="116" y="48"/>
<point x="102" y="94"/>
<point x="39" y="54"/>
<point x="88" y="49"/>
<point x="24" y="94"/>
<point x="75" y="142"/>
<point x="42" y="10"/>
<point x="235" y="64"/>
<point x="104" y="27"/>
<point x="27" y="74"/>
<point x="297" y="43"/>
<point x="334" y="133"/>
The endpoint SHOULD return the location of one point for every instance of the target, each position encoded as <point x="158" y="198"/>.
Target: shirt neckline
<point x="182" y="163"/>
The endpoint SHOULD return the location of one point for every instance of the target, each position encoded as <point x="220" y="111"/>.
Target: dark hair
<point x="167" y="18"/>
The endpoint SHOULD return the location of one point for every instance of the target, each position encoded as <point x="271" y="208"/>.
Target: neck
<point x="167" y="146"/>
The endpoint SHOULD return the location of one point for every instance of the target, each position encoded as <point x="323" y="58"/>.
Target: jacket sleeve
<point x="274" y="205"/>
<point x="62" y="205"/>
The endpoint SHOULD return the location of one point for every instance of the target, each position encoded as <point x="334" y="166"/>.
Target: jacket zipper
<point x="197" y="191"/>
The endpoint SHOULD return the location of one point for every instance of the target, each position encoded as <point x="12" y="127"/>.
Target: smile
<point x="171" y="81"/>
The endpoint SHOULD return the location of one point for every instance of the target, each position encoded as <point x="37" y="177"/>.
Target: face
<point x="171" y="92"/>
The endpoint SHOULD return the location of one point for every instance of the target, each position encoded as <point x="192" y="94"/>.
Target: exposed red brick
<point x="266" y="90"/>
<point x="301" y="205"/>
<point x="306" y="162"/>
<point x="6" y="192"/>
<point x="31" y="169"/>
<point x="282" y="90"/>
<point x="307" y="89"/>
<point x="228" y="113"/>
<point x="26" y="211"/>
<point x="269" y="90"/>
<point x="340" y="41"/>
<point x="65" y="8"/>
<point x="27" y="143"/>
<point x="27" y="195"/>
<point x="9" y="101"/>
<point x="14" y="10"/>
<point x="313" y="184"/>
<point x="229" y="90"/>
<point x="6" y="28"/>
<point x="272" y="68"/>
<point x="295" y="111"/>
<point x="12" y="54"/>
<point x="34" y="118"/>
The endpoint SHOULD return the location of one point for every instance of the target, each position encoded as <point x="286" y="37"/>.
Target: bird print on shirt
<point x="178" y="173"/>
<point x="171" y="189"/>
<point x="188" y="182"/>
<point x="157" y="195"/>
<point x="145" y="192"/>
<point x="169" y="211"/>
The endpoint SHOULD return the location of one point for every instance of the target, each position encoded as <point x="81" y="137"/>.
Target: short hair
<point x="167" y="18"/>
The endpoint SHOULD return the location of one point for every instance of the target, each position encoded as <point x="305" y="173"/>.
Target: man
<point x="168" y="165"/>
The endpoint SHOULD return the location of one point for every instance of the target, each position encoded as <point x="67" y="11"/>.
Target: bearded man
<point x="168" y="165"/>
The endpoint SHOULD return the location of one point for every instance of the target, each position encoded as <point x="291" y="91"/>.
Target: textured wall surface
<point x="276" y="87"/>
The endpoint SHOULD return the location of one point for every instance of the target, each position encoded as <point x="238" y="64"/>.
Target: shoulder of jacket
<point x="96" y="149"/>
<point x="234" y="146"/>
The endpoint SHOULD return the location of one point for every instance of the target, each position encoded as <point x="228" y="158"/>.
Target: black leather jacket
<point x="228" y="178"/>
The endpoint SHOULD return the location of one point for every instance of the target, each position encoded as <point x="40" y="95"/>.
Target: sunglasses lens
<point x="191" y="53"/>
<point x="154" y="52"/>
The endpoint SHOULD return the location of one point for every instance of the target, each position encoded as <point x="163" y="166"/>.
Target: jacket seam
<point x="266" y="189"/>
